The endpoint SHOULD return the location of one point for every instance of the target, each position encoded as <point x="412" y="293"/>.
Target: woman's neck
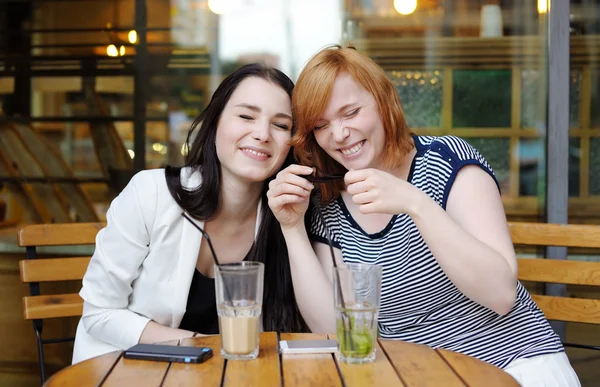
<point x="239" y="199"/>
<point x="403" y="170"/>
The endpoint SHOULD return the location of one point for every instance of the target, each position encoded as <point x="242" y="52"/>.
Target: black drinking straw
<point x="339" y="285"/>
<point x="212" y="250"/>
<point x="324" y="178"/>
<point x="205" y="235"/>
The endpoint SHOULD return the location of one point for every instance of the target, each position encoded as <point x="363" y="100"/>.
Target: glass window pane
<point x="481" y="98"/>
<point x="532" y="102"/>
<point x="531" y="167"/>
<point x="421" y="96"/>
<point x="584" y="143"/>
<point x="574" y="159"/>
<point x="594" y="166"/>
<point x="533" y="99"/>
<point x="595" y="99"/>
<point x="574" y="89"/>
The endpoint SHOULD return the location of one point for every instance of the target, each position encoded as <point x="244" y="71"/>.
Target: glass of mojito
<point x="357" y="293"/>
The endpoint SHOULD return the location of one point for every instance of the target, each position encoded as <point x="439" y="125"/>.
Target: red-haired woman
<point x="428" y="209"/>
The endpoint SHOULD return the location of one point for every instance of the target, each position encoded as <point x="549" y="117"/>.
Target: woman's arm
<point x="289" y="195"/>
<point x="311" y="269"/>
<point x="155" y="333"/>
<point x="126" y="334"/>
<point x="470" y="239"/>
<point x="121" y="248"/>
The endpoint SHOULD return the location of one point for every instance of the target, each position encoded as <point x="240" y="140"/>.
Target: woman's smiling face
<point x="254" y="131"/>
<point x="350" y="129"/>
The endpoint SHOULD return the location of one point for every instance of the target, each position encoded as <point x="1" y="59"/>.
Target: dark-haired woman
<point x="151" y="276"/>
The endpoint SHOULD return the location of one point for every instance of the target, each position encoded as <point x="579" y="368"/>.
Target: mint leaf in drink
<point x="356" y="344"/>
<point x="363" y="343"/>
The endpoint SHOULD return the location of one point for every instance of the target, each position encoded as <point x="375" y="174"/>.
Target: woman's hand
<point x="375" y="191"/>
<point x="289" y="195"/>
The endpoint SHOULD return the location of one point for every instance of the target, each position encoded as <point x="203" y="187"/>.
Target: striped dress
<point x="419" y="303"/>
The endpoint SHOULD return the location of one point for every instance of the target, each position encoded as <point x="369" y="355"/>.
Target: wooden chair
<point x="569" y="309"/>
<point x="37" y="307"/>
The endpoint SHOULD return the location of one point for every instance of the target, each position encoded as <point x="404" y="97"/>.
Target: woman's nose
<point x="339" y="132"/>
<point x="261" y="132"/>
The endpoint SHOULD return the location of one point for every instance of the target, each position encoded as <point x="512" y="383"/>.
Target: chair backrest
<point x="560" y="271"/>
<point x="35" y="270"/>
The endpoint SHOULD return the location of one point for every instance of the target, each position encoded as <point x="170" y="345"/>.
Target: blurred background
<point x="93" y="91"/>
<point x="109" y="87"/>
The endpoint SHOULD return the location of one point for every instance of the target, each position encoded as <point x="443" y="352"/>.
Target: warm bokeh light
<point x="132" y="36"/>
<point x="131" y="153"/>
<point x="216" y="6"/>
<point x="122" y="50"/>
<point x="160" y="148"/>
<point x="542" y="6"/>
<point x="405" y="7"/>
<point x="111" y="50"/>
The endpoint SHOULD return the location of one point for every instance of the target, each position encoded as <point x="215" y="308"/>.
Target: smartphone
<point x="170" y="353"/>
<point x="307" y="346"/>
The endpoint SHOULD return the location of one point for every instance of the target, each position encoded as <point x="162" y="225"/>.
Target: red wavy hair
<point x="311" y="96"/>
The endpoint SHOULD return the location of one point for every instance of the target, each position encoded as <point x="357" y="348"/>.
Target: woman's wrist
<point x="293" y="232"/>
<point x="418" y="204"/>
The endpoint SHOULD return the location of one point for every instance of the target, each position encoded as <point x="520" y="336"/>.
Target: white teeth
<point x="353" y="150"/>
<point x="256" y="153"/>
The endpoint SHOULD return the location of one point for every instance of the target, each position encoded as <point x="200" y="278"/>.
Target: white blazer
<point x="142" y="266"/>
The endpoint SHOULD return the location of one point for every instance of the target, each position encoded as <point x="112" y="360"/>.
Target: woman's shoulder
<point x="450" y="149"/>
<point x="156" y="178"/>
<point x="148" y="191"/>
<point x="442" y="158"/>
<point x="148" y="177"/>
<point x="448" y="145"/>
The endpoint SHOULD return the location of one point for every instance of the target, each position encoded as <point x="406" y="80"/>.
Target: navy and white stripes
<point x="419" y="303"/>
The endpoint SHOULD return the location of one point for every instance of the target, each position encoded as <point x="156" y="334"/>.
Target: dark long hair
<point x="280" y="311"/>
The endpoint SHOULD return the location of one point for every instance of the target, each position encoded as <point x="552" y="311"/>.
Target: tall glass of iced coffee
<point x="239" y="293"/>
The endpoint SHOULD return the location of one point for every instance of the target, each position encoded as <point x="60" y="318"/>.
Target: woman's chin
<point x="354" y="164"/>
<point x="252" y="176"/>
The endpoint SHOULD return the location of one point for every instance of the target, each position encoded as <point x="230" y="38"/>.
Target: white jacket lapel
<point x="189" y="247"/>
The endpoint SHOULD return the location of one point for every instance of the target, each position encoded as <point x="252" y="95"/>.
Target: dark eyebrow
<point x="248" y="106"/>
<point x="256" y="109"/>
<point x="283" y="115"/>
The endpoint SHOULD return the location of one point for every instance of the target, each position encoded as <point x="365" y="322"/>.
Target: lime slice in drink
<point x="357" y="344"/>
<point x="363" y="343"/>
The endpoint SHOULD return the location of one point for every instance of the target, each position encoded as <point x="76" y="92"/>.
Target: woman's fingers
<point x="369" y="208"/>
<point x="287" y="188"/>
<point x="291" y="180"/>
<point x="356" y="188"/>
<point x="363" y="198"/>
<point x="289" y="192"/>
<point x="276" y="203"/>
<point x="299" y="181"/>
<point x="299" y="169"/>
<point x="290" y="176"/>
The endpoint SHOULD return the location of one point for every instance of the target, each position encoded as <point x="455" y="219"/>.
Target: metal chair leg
<point x="37" y="327"/>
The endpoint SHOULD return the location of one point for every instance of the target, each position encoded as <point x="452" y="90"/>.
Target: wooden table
<point x="397" y="364"/>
